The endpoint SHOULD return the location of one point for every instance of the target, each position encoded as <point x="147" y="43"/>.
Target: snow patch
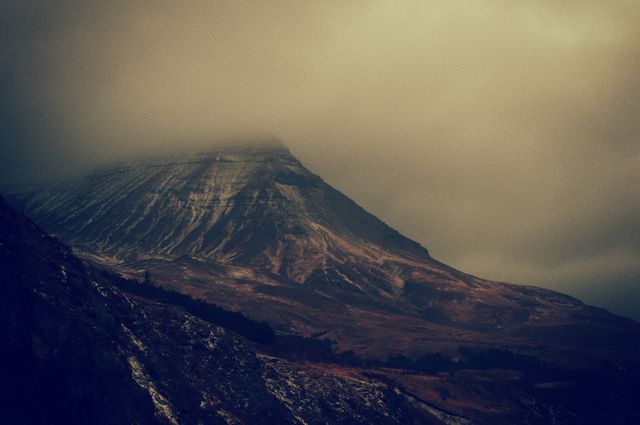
<point x="63" y="272"/>
<point x="162" y="405"/>
<point x="100" y="289"/>
<point x="134" y="340"/>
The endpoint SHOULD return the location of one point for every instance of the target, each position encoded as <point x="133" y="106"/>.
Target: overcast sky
<point x="502" y="135"/>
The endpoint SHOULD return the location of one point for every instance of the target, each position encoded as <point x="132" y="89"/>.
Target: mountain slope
<point x="76" y="350"/>
<point x="236" y="203"/>
<point x="248" y="227"/>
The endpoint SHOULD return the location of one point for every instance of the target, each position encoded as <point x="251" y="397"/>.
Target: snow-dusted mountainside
<point x="251" y="206"/>
<point x="250" y="228"/>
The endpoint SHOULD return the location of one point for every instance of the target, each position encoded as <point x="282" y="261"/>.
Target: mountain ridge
<point x="253" y="230"/>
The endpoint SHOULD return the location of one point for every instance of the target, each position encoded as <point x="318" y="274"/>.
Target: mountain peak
<point x="253" y="229"/>
<point x="247" y="204"/>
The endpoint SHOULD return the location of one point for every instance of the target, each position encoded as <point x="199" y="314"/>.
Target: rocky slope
<point x="76" y="350"/>
<point x="254" y="206"/>
<point x="249" y="228"/>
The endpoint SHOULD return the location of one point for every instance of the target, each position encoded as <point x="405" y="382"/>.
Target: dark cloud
<point x="502" y="135"/>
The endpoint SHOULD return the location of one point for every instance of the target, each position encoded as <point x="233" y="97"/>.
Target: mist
<point x="503" y="136"/>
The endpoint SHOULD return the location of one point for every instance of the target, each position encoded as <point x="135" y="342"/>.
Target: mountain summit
<point x="250" y="228"/>
<point x="252" y="205"/>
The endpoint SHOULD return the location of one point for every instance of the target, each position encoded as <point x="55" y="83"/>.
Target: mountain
<point x="255" y="206"/>
<point x="78" y="350"/>
<point x="250" y="228"/>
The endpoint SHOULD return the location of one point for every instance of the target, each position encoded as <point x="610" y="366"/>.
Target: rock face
<point x="249" y="228"/>
<point x="76" y="350"/>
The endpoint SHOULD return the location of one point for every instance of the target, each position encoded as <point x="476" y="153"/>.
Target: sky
<point x="502" y="135"/>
